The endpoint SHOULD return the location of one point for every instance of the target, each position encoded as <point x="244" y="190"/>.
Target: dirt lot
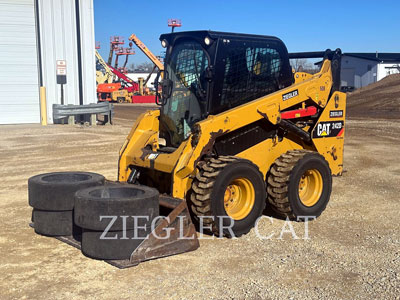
<point x="353" y="251"/>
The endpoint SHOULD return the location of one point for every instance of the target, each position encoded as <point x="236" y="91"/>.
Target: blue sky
<point x="352" y="25"/>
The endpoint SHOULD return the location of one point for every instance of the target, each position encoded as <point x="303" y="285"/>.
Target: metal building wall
<point x="86" y="13"/>
<point x="363" y="71"/>
<point x="19" y="89"/>
<point x="60" y="40"/>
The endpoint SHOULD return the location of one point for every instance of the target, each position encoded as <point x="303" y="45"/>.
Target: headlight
<point x="164" y="43"/>
<point x="207" y="41"/>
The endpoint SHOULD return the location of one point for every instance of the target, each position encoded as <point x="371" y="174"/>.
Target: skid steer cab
<point x="237" y="130"/>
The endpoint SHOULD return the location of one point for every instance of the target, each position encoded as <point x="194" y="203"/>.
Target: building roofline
<point x="384" y="57"/>
<point x="379" y="57"/>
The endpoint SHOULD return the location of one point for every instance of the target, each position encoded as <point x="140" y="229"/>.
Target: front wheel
<point x="228" y="195"/>
<point x="299" y="184"/>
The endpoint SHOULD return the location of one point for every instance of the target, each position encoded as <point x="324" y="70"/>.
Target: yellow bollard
<point x="141" y="81"/>
<point x="43" y="106"/>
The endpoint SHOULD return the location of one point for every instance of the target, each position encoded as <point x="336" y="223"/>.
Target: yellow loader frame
<point x="141" y="145"/>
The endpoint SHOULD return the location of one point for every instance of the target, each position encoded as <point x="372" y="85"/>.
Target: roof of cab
<point x="215" y="35"/>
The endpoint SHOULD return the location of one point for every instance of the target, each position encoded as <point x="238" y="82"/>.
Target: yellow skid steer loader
<point x="237" y="130"/>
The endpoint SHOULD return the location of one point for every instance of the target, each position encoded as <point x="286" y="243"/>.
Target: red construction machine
<point x="114" y="85"/>
<point x="120" y="91"/>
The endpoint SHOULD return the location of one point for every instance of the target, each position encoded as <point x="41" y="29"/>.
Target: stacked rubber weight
<point x="52" y="197"/>
<point x="106" y="217"/>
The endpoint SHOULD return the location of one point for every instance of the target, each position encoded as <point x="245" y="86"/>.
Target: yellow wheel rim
<point x="239" y="198"/>
<point x="310" y="187"/>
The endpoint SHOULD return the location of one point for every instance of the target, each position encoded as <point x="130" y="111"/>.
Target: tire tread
<point x="202" y="186"/>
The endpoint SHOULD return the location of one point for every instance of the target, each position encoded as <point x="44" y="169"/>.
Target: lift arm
<point x="122" y="76"/>
<point x="111" y="71"/>
<point x="108" y="72"/>
<point x="110" y="54"/>
<point x="147" y="52"/>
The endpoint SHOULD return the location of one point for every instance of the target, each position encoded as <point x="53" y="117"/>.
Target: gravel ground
<point x="353" y="251"/>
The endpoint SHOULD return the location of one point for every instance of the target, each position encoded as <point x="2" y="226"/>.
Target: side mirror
<point x="156" y="83"/>
<point x="166" y="87"/>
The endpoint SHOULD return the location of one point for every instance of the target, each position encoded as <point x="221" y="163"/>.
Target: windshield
<point x="186" y="69"/>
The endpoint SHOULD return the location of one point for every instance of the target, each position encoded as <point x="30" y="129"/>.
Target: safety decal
<point x="290" y="95"/>
<point x="328" y="129"/>
<point x="336" y="113"/>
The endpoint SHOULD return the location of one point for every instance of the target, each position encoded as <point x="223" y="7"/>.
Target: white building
<point x="136" y="75"/>
<point x="34" y="35"/>
<point x="361" y="69"/>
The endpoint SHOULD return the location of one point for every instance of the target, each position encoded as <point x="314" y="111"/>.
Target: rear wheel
<point x="239" y="198"/>
<point x="299" y="184"/>
<point x="310" y="187"/>
<point x="120" y="99"/>
<point x="228" y="192"/>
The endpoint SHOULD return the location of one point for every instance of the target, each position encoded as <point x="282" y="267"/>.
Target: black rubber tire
<point x="94" y="247"/>
<point x="55" y="191"/>
<point x="115" y="200"/>
<point x="283" y="182"/>
<point x="53" y="223"/>
<point x="206" y="200"/>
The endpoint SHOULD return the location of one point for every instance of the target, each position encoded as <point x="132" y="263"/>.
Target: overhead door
<point x="19" y="88"/>
<point x="347" y="77"/>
